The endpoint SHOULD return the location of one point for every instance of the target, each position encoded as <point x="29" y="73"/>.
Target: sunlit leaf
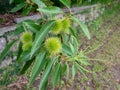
<point x="31" y="25"/>
<point x="38" y="65"/>
<point x="41" y="36"/>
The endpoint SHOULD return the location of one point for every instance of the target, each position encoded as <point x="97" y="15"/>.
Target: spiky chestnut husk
<point x="26" y="46"/>
<point x="57" y="27"/>
<point x="26" y="37"/>
<point x="53" y="45"/>
<point x="66" y="25"/>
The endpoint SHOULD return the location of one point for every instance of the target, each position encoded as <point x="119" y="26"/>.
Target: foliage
<point x="26" y="5"/>
<point x="54" y="54"/>
<point x="5" y="7"/>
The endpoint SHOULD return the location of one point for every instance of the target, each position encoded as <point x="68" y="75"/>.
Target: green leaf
<point x="46" y="73"/>
<point x="38" y="65"/>
<point x="31" y="25"/>
<point x="27" y="10"/>
<point x="66" y="50"/>
<point x="73" y="32"/>
<point x="67" y="71"/>
<point x="11" y="1"/>
<point x="7" y="48"/>
<point x="83" y="26"/>
<point x="26" y="66"/>
<point x="55" y="76"/>
<point x="18" y="30"/>
<point x="80" y="69"/>
<point x="50" y="10"/>
<point x="18" y="7"/>
<point x="64" y="67"/>
<point x="39" y="3"/>
<point x="66" y="3"/>
<point x="19" y="50"/>
<point x="25" y="56"/>
<point x="73" y="71"/>
<point x="41" y="36"/>
<point x="75" y="44"/>
<point x="72" y="48"/>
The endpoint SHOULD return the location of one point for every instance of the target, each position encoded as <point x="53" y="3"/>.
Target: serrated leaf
<point x="55" y="75"/>
<point x="39" y="3"/>
<point x="6" y="50"/>
<point x="38" y="65"/>
<point x="66" y="3"/>
<point x="18" y="7"/>
<point x="50" y="10"/>
<point x="31" y="25"/>
<point x="46" y="73"/>
<point x="83" y="26"/>
<point x="41" y="36"/>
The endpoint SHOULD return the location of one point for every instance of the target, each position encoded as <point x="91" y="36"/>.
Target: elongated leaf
<point x="46" y="74"/>
<point x="7" y="48"/>
<point x="41" y="36"/>
<point x="18" y="31"/>
<point x="80" y="69"/>
<point x="64" y="67"/>
<point x="66" y="50"/>
<point x="38" y="65"/>
<point x="72" y="48"/>
<point x="73" y="71"/>
<point x="19" y="50"/>
<point x="27" y="10"/>
<point x="83" y="26"/>
<point x="75" y="44"/>
<point x="26" y="66"/>
<point x="11" y="1"/>
<point x="39" y="3"/>
<point x="50" y="10"/>
<point x="31" y="25"/>
<point x="67" y="71"/>
<point x="73" y="32"/>
<point x="18" y="7"/>
<point x="25" y="56"/>
<point x="66" y="3"/>
<point x="55" y="76"/>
